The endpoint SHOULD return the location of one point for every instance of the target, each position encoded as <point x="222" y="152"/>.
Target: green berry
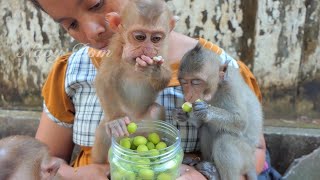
<point x="146" y="174"/>
<point x="154" y="138"/>
<point x="125" y="142"/>
<point x="150" y="145"/>
<point x="154" y="152"/>
<point x="142" y="148"/>
<point x="139" y="140"/>
<point x="187" y="107"/>
<point x="132" y="127"/>
<point x="161" y="145"/>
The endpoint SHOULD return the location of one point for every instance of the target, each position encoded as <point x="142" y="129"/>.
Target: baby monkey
<point x="229" y="116"/>
<point x="24" y="157"/>
<point x="128" y="82"/>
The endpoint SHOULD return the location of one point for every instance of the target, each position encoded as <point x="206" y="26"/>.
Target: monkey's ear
<point x="51" y="168"/>
<point x="207" y="97"/>
<point x="173" y="21"/>
<point x="114" y="21"/>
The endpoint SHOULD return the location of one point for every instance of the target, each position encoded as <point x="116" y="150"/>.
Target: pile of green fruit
<point x="144" y="157"/>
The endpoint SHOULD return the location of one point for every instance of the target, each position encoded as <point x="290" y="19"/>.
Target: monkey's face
<point x="143" y="40"/>
<point x="193" y="87"/>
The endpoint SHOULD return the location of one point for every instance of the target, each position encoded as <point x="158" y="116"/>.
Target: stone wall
<point x="277" y="39"/>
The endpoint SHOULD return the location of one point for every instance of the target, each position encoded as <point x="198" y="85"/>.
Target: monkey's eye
<point x="182" y="81"/>
<point x="156" y="38"/>
<point x="139" y="36"/>
<point x="196" y="82"/>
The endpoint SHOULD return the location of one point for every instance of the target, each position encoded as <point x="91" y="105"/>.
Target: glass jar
<point x="164" y="164"/>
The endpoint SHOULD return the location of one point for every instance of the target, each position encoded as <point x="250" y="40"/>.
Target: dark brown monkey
<point x="24" y="157"/>
<point x="230" y="118"/>
<point x="129" y="81"/>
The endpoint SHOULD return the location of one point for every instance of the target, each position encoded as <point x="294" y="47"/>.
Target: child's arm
<point x="59" y="141"/>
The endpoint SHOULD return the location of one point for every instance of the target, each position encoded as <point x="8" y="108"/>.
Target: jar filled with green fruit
<point x="153" y="151"/>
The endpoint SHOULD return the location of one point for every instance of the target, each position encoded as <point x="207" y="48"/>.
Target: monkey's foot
<point x="208" y="169"/>
<point x="191" y="161"/>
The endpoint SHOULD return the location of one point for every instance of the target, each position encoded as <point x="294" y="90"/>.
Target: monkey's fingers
<point x="198" y="106"/>
<point x="147" y="59"/>
<point x="179" y="115"/>
<point x="141" y="62"/>
<point x="112" y="128"/>
<point x="119" y="130"/>
<point x="123" y="124"/>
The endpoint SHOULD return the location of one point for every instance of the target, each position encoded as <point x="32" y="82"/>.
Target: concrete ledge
<point x="287" y="144"/>
<point x="284" y="144"/>
<point x="18" y="122"/>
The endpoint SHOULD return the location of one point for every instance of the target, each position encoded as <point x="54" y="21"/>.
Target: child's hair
<point x="36" y="4"/>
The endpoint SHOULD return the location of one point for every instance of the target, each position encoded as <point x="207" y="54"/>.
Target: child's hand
<point x="118" y="127"/>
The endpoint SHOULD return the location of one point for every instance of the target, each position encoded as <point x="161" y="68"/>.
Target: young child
<point x="71" y="110"/>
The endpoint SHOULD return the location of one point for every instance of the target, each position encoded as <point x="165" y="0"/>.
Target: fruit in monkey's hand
<point x="132" y="127"/>
<point x="187" y="107"/>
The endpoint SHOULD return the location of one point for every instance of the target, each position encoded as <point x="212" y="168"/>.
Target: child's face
<point x="84" y="19"/>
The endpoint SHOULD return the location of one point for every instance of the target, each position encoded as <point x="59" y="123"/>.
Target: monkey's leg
<point x="252" y="174"/>
<point x="227" y="157"/>
<point x="101" y="145"/>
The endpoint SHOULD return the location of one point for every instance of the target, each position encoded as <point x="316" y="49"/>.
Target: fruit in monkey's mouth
<point x="157" y="58"/>
<point x="187" y="107"/>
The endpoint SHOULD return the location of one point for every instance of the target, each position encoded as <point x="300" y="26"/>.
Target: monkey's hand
<point x="199" y="113"/>
<point x="208" y="169"/>
<point x="179" y="115"/>
<point x="117" y="127"/>
<point x="147" y="65"/>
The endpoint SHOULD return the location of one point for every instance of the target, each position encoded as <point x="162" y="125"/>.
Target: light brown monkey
<point x="24" y="157"/>
<point x="129" y="81"/>
<point x="230" y="118"/>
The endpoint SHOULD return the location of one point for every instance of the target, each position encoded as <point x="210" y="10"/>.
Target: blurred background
<point x="277" y="39"/>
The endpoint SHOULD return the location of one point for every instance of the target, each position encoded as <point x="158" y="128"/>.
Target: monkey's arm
<point x="231" y="121"/>
<point x="157" y="72"/>
<point x="160" y="78"/>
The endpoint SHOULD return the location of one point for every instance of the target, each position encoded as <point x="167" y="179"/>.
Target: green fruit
<point x="187" y="107"/>
<point x="154" y="152"/>
<point x="142" y="148"/>
<point x="154" y="138"/>
<point x="161" y="145"/>
<point x="139" y="140"/>
<point x="164" y="176"/>
<point x="132" y="127"/>
<point x="146" y="174"/>
<point x="125" y="142"/>
<point x="150" y="145"/>
<point x="199" y="100"/>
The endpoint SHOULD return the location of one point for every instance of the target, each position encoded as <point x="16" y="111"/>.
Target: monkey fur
<point x="24" y="157"/>
<point x="124" y="88"/>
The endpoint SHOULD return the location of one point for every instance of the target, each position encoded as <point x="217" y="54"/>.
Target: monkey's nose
<point x="150" y="52"/>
